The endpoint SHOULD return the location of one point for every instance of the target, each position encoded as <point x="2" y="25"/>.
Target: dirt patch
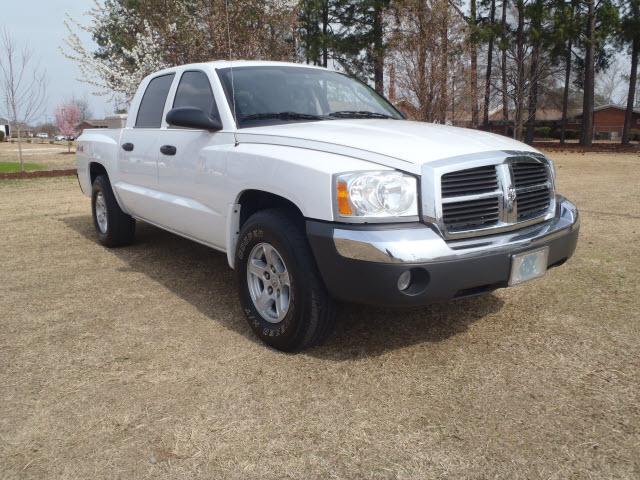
<point x="39" y="174"/>
<point x="608" y="147"/>
<point x="138" y="363"/>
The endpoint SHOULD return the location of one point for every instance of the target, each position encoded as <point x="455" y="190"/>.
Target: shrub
<point x="634" y="134"/>
<point x="542" y="132"/>
<point x="1" y="136"/>
<point x="29" y="140"/>
<point x="51" y="142"/>
<point x="570" y="134"/>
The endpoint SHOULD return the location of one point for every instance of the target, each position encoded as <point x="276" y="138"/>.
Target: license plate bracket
<point x="528" y="265"/>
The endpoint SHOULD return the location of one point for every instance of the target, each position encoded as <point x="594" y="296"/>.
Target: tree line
<point x="478" y="61"/>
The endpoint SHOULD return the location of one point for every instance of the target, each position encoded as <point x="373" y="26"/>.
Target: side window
<point x="194" y="90"/>
<point x="153" y="100"/>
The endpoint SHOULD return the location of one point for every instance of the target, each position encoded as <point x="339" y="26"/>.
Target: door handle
<point x="168" y="150"/>
<point x="128" y="147"/>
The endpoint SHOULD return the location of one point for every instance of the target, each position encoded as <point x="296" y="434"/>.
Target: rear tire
<point x="307" y="315"/>
<point x="114" y="227"/>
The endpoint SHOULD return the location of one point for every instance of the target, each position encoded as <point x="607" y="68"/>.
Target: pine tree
<point x="359" y="43"/>
<point x="629" y="34"/>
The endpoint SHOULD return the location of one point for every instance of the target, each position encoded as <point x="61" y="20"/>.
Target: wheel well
<point x="252" y="201"/>
<point x="96" y="169"/>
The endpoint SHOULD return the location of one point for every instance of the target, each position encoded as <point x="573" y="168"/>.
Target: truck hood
<point x="394" y="143"/>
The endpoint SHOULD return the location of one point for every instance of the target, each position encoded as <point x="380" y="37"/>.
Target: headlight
<point x="376" y="195"/>
<point x="552" y="167"/>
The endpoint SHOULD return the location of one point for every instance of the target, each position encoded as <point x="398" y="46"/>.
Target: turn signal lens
<point x="343" y="199"/>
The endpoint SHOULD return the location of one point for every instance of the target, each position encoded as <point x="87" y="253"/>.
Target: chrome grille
<point x="469" y="182"/>
<point x="505" y="191"/>
<point x="472" y="214"/>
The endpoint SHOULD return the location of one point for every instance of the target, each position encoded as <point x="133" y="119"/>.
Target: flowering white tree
<point x="135" y="39"/>
<point x="67" y="119"/>
<point x="115" y="75"/>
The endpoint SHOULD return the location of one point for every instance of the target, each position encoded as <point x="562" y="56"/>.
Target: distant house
<point x="608" y="121"/>
<point x="114" y="121"/>
<point x="4" y="127"/>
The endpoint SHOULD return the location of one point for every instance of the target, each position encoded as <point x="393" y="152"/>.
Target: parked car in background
<point x="60" y="138"/>
<point x="317" y="189"/>
<point x="42" y="135"/>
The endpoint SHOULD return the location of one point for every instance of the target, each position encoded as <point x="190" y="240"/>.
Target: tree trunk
<point x="20" y="149"/>
<point x="565" y="93"/>
<point x="444" y="65"/>
<point x="533" y="92"/>
<point x="487" y="84"/>
<point x="503" y="64"/>
<point x="589" y="72"/>
<point x="633" y="76"/>
<point x="325" y="26"/>
<point x="474" y="64"/>
<point x="517" y="131"/>
<point x="378" y="49"/>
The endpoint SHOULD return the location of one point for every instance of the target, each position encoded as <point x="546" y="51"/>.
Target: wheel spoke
<point x="257" y="268"/>
<point x="263" y="301"/>
<point x="270" y="255"/>
<point x="284" y="278"/>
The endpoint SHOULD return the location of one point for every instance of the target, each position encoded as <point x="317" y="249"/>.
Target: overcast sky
<point x="39" y="24"/>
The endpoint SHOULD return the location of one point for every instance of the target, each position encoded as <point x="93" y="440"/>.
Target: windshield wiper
<point x="358" y="114"/>
<point x="283" y="116"/>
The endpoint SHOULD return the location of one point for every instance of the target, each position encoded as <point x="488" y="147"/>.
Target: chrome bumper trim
<point x="424" y="245"/>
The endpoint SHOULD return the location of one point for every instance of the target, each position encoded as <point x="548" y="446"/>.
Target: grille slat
<point x="469" y="182"/>
<point x="529" y="173"/>
<point x="471" y="214"/>
<point x="534" y="203"/>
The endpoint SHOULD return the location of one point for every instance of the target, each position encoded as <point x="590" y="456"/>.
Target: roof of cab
<point x="218" y="64"/>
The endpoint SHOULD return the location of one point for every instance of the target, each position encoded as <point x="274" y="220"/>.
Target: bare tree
<point x="22" y="86"/>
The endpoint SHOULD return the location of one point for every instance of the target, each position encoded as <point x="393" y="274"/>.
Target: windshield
<point x="267" y="95"/>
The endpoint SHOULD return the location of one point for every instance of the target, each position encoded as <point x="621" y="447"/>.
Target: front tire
<point x="282" y="294"/>
<point x="114" y="227"/>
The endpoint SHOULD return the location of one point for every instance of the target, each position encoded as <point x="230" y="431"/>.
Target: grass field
<point x="10" y="167"/>
<point x="46" y="155"/>
<point x="137" y="362"/>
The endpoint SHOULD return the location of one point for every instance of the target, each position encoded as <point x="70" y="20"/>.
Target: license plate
<point x="528" y="265"/>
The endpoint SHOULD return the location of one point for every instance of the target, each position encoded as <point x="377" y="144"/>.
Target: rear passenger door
<point x="192" y="173"/>
<point x="139" y="151"/>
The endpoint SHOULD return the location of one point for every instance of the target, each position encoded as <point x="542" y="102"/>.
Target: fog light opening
<point x="404" y="281"/>
<point x="414" y="281"/>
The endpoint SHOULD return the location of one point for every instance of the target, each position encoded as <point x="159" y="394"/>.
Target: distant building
<point x="608" y="121"/>
<point x="114" y="121"/>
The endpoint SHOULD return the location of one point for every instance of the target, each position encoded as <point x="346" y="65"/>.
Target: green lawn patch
<point x="11" y="167"/>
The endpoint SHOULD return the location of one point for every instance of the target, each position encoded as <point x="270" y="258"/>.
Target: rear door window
<point x="153" y="100"/>
<point x="194" y="90"/>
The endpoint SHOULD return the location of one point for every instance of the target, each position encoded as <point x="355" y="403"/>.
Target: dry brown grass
<point x="137" y="363"/>
<point x="42" y="152"/>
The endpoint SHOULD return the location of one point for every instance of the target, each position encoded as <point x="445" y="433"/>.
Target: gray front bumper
<point x="363" y="263"/>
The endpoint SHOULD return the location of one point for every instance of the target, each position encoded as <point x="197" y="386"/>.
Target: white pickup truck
<point x="317" y="189"/>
